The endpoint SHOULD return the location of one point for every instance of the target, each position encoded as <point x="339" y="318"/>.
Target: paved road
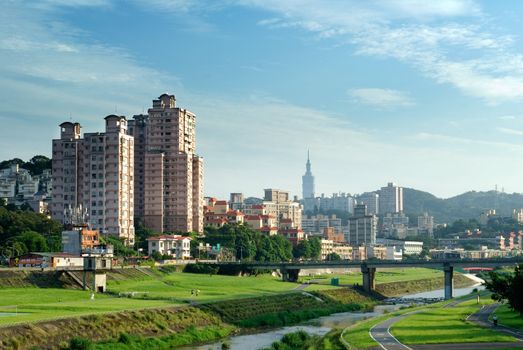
<point x="481" y="318"/>
<point x="381" y="333"/>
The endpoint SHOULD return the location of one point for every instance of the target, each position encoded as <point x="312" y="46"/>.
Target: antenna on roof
<point x="115" y="109"/>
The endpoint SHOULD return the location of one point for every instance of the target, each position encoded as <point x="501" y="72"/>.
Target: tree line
<point x="248" y="244"/>
<point x="35" y="165"/>
<point x="23" y="231"/>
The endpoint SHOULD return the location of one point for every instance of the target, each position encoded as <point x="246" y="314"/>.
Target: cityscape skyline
<point x="387" y="115"/>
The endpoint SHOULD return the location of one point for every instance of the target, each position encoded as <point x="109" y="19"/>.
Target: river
<point x="319" y="326"/>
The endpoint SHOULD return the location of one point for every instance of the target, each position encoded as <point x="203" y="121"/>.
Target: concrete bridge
<point x="290" y="270"/>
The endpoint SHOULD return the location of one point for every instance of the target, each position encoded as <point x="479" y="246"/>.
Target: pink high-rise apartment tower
<point x="96" y="173"/>
<point x="169" y="175"/>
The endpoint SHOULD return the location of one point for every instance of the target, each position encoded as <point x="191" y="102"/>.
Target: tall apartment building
<point x="96" y="172"/>
<point x="169" y="188"/>
<point x="308" y="180"/>
<point x="372" y="201"/>
<point x="391" y="199"/>
<point x="362" y="227"/>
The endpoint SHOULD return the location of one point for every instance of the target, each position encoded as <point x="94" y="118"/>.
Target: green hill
<point x="468" y="205"/>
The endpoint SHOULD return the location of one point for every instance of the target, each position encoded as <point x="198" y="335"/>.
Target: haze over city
<point x="426" y="96"/>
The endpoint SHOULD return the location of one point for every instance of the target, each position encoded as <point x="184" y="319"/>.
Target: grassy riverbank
<point x="446" y="325"/>
<point x="435" y="324"/>
<point x="166" y="324"/>
<point x="287" y="309"/>
<point x="247" y="302"/>
<point x="395" y="281"/>
<point x="31" y="304"/>
<point x="398" y="288"/>
<point x="216" y="287"/>
<point x="37" y="304"/>
<point x="509" y="318"/>
<point x="384" y="275"/>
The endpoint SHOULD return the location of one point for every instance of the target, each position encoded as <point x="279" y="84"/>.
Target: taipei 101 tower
<point x="308" y="180"/>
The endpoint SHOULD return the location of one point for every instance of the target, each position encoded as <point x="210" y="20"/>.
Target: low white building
<point x="407" y="247"/>
<point x="177" y="246"/>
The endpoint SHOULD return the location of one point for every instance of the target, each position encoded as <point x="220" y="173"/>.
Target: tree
<point x="302" y="250"/>
<point x="507" y="286"/>
<point x="37" y="164"/>
<point x="307" y="249"/>
<point x="315" y="244"/>
<point x="33" y="241"/>
<point x="333" y="257"/>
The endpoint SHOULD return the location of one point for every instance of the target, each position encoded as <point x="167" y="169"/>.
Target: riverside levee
<point x="290" y="270"/>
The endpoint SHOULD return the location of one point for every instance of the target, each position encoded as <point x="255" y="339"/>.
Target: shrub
<point x="125" y="339"/>
<point x="80" y="344"/>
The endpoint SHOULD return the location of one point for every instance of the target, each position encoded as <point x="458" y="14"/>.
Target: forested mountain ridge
<point x="468" y="205"/>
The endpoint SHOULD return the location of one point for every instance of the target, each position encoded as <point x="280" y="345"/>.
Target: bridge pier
<point x="369" y="283"/>
<point x="289" y="275"/>
<point x="449" y="280"/>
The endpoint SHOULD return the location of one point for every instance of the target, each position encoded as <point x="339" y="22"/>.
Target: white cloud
<point x="510" y="131"/>
<point x="467" y="56"/>
<point x="382" y="98"/>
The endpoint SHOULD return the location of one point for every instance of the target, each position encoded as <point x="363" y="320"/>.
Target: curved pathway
<point x="386" y="341"/>
<point x="482" y="318"/>
<point x="381" y="333"/>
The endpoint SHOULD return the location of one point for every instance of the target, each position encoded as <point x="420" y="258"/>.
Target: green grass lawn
<point x="36" y="304"/>
<point x="446" y="325"/>
<point x="382" y="275"/>
<point x="509" y="318"/>
<point x="437" y="327"/>
<point x="217" y="287"/>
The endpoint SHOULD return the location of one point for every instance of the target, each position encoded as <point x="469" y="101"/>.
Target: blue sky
<point x="426" y="94"/>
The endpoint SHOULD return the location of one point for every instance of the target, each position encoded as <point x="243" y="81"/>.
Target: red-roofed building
<point x="262" y="223"/>
<point x="177" y="246"/>
<point x="270" y="231"/>
<point x="294" y="235"/>
<point x="217" y="214"/>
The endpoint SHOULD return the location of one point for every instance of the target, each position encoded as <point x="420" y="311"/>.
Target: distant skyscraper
<point x="308" y="180"/>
